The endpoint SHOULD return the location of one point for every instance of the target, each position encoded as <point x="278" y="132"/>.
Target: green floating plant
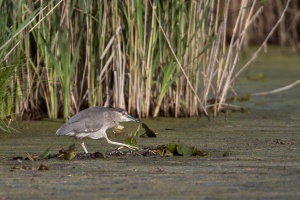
<point x="149" y="132"/>
<point x="45" y="154"/>
<point x="68" y="154"/>
<point x="173" y="149"/>
<point x="184" y="150"/>
<point x="131" y="141"/>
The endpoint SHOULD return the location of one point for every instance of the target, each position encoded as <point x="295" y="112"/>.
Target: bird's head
<point x="122" y="115"/>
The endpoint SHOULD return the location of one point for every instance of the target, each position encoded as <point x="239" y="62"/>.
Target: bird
<point x="93" y="123"/>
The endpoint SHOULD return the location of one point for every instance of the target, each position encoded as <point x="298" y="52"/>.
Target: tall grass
<point x="154" y="58"/>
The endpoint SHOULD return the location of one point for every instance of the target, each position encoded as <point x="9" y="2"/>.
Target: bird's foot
<point x="129" y="147"/>
<point x="122" y="145"/>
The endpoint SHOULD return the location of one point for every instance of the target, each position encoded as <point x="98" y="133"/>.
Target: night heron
<point x="93" y="123"/>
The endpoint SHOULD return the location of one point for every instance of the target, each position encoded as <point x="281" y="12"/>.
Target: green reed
<point x="151" y="57"/>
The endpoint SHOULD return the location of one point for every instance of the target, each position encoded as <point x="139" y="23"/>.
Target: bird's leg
<point x="121" y="144"/>
<point x="84" y="148"/>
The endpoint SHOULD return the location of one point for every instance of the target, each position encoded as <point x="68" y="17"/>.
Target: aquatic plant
<point x="153" y="58"/>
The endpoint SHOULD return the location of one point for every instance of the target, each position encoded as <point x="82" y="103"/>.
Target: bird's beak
<point x="132" y="118"/>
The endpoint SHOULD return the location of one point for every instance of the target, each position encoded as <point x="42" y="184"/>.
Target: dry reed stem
<point x="104" y="69"/>
<point x="239" y="43"/>
<point x="264" y="44"/>
<point x="179" y="64"/>
<point x="277" y="90"/>
<point x="228" y="80"/>
<point x="110" y="43"/>
<point x="229" y="67"/>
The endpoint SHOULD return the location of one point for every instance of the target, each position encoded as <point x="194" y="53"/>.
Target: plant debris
<point x="171" y="149"/>
<point x="279" y="141"/>
<point x="43" y="167"/>
<point x="149" y="133"/>
<point x="95" y="155"/>
<point x="147" y="152"/>
<point x="31" y="156"/>
<point x="68" y="154"/>
<point x="45" y="154"/>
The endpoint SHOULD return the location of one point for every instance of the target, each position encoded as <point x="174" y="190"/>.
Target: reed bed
<point x="154" y="58"/>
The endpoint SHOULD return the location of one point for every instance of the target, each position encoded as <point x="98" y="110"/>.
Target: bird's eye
<point x="123" y="113"/>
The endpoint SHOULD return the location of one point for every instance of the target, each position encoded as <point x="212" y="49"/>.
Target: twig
<point x="229" y="106"/>
<point x="277" y="90"/>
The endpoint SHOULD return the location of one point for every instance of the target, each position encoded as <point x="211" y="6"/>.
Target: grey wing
<point x="82" y="122"/>
<point x="72" y="127"/>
